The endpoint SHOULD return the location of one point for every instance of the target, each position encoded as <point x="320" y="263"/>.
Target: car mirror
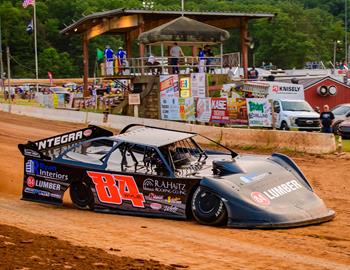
<point x="277" y="109"/>
<point x="348" y="114"/>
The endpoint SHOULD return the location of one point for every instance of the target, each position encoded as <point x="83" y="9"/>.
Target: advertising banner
<point x="259" y="112"/>
<point x="203" y="109"/>
<point x="187" y="109"/>
<point x="185" y="89"/>
<point x="169" y="86"/>
<point x="279" y="90"/>
<point x="219" y="111"/>
<point x="169" y="108"/>
<point x="198" y="85"/>
<point x="237" y="111"/>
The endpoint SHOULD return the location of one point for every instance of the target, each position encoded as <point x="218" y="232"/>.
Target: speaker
<point x="332" y="90"/>
<point x="322" y="90"/>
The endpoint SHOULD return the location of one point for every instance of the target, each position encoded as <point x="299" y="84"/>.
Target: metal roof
<point x="91" y="19"/>
<point x="153" y="136"/>
<point x="184" y="29"/>
<point x="308" y="82"/>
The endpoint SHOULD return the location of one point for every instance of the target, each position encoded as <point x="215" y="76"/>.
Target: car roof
<point x="153" y="136"/>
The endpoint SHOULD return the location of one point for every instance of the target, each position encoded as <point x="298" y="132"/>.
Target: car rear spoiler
<point x="45" y="148"/>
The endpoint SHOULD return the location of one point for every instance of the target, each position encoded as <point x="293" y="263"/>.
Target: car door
<point x="137" y="179"/>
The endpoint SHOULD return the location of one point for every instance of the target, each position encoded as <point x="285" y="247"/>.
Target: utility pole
<point x="8" y="73"/>
<point x="346" y="32"/>
<point x="1" y="63"/>
<point x="36" y="50"/>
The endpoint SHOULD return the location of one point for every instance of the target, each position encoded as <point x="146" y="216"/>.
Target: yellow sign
<point x="185" y="88"/>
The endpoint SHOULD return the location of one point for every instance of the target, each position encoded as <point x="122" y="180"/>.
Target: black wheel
<point x="81" y="195"/>
<point x="284" y="126"/>
<point x="208" y="208"/>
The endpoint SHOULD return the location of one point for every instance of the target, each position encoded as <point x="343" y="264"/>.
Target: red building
<point x="324" y="90"/>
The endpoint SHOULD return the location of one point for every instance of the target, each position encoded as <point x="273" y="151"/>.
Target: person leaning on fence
<point x="109" y="57"/>
<point x="175" y="53"/>
<point x="153" y="64"/>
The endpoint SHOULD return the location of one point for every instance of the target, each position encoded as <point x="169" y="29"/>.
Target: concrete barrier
<point x="309" y="142"/>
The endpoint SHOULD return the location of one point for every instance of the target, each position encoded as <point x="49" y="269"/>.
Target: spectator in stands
<point x="201" y="60"/>
<point x="109" y="57"/>
<point x="209" y="59"/>
<point x="122" y="62"/>
<point x="253" y="74"/>
<point x="175" y="53"/>
<point x="153" y="64"/>
<point x="327" y="118"/>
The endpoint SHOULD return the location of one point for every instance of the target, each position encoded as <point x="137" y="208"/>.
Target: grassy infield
<point x="346" y="143"/>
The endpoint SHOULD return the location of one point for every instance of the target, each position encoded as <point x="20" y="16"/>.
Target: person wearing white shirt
<point x="175" y="53"/>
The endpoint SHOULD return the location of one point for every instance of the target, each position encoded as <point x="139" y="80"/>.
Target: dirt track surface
<point x="185" y="243"/>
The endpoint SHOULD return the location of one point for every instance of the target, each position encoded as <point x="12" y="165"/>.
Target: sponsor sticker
<point x="109" y="192"/>
<point x="58" y="140"/>
<point x="31" y="153"/>
<point x="253" y="177"/>
<point x="260" y="198"/>
<point x="37" y="168"/>
<point x="156" y="206"/>
<point x="87" y="132"/>
<point x="31" y="181"/>
<point x="283" y="189"/>
<point x="171" y="209"/>
<point x="164" y="186"/>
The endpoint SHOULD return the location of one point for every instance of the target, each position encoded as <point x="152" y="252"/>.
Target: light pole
<point x="346" y="32"/>
<point x="335" y="52"/>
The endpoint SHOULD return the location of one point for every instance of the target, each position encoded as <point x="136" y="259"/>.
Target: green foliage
<point x="303" y="30"/>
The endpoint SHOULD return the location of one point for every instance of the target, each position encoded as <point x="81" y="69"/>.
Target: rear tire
<point x="81" y="195"/>
<point x="208" y="208"/>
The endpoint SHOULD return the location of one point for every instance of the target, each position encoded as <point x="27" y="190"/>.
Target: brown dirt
<point x="183" y="243"/>
<point x="35" y="251"/>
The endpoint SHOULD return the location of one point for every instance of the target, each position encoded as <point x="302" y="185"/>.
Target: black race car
<point x="165" y="173"/>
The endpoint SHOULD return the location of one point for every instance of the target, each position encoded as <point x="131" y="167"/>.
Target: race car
<point x="159" y="172"/>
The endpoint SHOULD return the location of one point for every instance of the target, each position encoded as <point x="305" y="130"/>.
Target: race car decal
<point x="109" y="192"/>
<point x="260" y="198"/>
<point x="282" y="189"/>
<point x="264" y="198"/>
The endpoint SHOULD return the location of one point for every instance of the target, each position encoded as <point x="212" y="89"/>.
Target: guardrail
<point x="162" y="65"/>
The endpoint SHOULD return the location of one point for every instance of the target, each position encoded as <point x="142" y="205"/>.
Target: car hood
<point x="268" y="192"/>
<point x="301" y="114"/>
<point x="345" y="123"/>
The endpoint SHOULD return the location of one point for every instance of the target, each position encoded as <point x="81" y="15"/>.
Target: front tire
<point x="81" y="195"/>
<point x="208" y="208"/>
<point x="284" y="126"/>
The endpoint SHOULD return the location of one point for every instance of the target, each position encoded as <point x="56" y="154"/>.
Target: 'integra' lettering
<point x="63" y="139"/>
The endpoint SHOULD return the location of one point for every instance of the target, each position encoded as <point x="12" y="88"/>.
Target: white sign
<point x="198" y="85"/>
<point x="259" y="112"/>
<point x="203" y="109"/>
<point x="169" y="108"/>
<point x="134" y="99"/>
<point x="279" y="90"/>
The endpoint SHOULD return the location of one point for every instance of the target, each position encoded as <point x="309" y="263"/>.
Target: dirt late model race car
<point x="165" y="173"/>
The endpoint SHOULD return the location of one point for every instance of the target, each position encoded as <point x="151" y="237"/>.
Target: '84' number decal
<point x="109" y="192"/>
